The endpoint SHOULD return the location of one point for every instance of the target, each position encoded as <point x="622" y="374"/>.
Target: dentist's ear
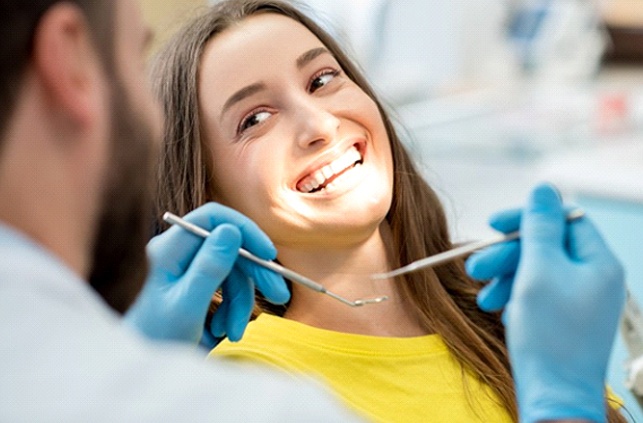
<point x="64" y="59"/>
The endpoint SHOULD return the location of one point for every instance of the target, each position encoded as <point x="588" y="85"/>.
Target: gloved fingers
<point x="239" y="293"/>
<point x="509" y="220"/>
<point x="174" y="250"/>
<point x="270" y="284"/>
<point x="543" y="222"/>
<point x="211" y="215"/>
<point x="587" y="246"/>
<point x="218" y="323"/>
<point x="506" y="221"/>
<point x="585" y="242"/>
<point x="494" y="261"/>
<point x="504" y="317"/>
<point x="208" y="341"/>
<point x="233" y="314"/>
<point x="496" y="294"/>
<point x="211" y="267"/>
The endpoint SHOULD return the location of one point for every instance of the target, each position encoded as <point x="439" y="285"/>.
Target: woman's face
<point x="296" y="145"/>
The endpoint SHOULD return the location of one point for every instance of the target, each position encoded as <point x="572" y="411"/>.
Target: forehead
<point x="249" y="51"/>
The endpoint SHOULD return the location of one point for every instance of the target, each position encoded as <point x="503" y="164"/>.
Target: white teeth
<point x="327" y="172"/>
<point x="319" y="177"/>
<point x="338" y="165"/>
<point x="346" y="160"/>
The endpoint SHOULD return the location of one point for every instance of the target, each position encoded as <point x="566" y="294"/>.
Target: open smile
<point x="323" y="176"/>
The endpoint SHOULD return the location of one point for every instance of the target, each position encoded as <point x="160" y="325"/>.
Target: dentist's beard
<point x="120" y="263"/>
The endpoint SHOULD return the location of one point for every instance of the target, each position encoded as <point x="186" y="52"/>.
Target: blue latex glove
<point x="186" y="270"/>
<point x="563" y="292"/>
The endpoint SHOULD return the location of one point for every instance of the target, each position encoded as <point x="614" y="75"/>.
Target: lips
<point x="318" y="179"/>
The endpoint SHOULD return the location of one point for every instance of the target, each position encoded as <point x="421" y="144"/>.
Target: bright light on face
<point x="296" y="145"/>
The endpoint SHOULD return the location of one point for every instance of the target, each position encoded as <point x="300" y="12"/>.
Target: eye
<point x="322" y="79"/>
<point x="253" y="119"/>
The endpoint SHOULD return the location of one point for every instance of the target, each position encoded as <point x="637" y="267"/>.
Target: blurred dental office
<point x="497" y="95"/>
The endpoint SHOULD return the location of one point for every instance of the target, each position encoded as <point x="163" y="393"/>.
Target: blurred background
<point x="496" y="95"/>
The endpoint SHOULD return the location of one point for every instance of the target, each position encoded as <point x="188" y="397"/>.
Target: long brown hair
<point x="444" y="298"/>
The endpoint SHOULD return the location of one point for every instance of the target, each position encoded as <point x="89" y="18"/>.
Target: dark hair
<point x="444" y="297"/>
<point x="18" y="23"/>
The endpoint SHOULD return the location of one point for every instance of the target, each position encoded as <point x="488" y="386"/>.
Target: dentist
<point x="78" y="134"/>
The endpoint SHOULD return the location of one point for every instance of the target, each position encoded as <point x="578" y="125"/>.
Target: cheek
<point x="230" y="179"/>
<point x="242" y="181"/>
<point x="375" y="117"/>
<point x="365" y="111"/>
<point x="375" y="125"/>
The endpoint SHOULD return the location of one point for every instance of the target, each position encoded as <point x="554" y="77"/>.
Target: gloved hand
<point x="563" y="292"/>
<point x="186" y="270"/>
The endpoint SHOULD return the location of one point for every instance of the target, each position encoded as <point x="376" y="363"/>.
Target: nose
<point x="316" y="125"/>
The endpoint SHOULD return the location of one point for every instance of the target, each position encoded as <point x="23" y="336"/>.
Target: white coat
<point x="65" y="356"/>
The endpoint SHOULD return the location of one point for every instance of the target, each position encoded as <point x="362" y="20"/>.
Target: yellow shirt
<point x="384" y="379"/>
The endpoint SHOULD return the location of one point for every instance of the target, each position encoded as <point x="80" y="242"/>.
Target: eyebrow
<point x="252" y="89"/>
<point x="241" y="94"/>
<point x="309" y="56"/>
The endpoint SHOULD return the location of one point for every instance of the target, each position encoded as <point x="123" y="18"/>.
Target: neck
<point x="45" y="224"/>
<point x="42" y="194"/>
<point x="345" y="271"/>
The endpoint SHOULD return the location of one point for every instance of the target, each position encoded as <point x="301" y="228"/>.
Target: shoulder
<point x="269" y="340"/>
<point x="113" y="375"/>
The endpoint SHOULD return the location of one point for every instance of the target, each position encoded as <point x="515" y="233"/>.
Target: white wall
<point x="412" y="48"/>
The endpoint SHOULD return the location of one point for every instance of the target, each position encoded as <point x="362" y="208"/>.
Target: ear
<point x="67" y="63"/>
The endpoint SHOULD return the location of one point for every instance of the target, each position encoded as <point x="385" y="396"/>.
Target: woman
<point x="267" y="115"/>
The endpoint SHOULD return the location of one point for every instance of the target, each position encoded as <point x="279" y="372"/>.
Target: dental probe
<point x="271" y="265"/>
<point x="457" y="252"/>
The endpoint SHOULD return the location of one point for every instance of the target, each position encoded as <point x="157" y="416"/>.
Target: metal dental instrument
<point x="271" y="265"/>
<point x="463" y="250"/>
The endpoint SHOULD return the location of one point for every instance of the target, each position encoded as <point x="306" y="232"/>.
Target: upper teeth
<point x="319" y="177"/>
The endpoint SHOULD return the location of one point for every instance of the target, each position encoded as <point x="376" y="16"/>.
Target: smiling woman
<point x="267" y="115"/>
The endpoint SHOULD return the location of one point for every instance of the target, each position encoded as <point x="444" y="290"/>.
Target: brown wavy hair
<point x="444" y="297"/>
